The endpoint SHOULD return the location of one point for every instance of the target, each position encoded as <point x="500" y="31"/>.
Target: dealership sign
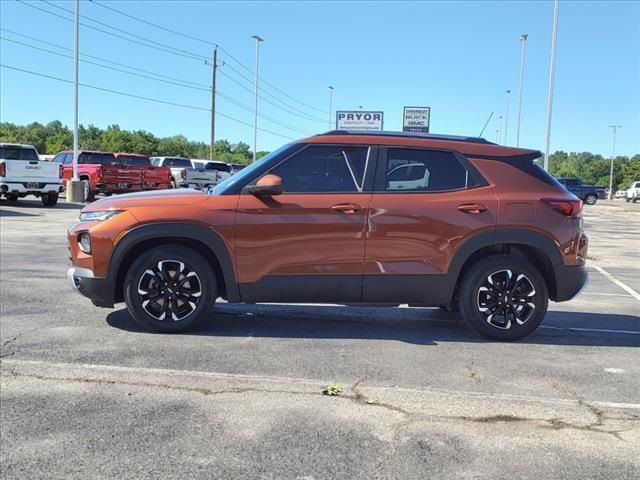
<point x="416" y="119"/>
<point x="359" y="120"/>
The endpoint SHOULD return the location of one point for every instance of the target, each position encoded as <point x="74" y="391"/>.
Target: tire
<point x="627" y="199"/>
<point x="591" y="199"/>
<point x="475" y="298"/>
<point x="87" y="194"/>
<point x="173" y="184"/>
<point x="12" y="198"/>
<point x="163" y="264"/>
<point x="49" y="199"/>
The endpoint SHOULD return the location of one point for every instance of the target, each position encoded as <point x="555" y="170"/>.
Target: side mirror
<point x="266" y="186"/>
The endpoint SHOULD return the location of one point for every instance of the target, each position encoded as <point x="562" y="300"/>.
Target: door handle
<point x="472" y="208"/>
<point x="346" y="208"/>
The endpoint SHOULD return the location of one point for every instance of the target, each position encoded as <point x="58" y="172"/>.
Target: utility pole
<point x="212" y="149"/>
<point x="75" y="191"/>
<point x="255" y="107"/>
<point x="613" y="155"/>
<point x="523" y="42"/>
<point x="330" y="105"/>
<point x="506" y="118"/>
<point x="554" y="42"/>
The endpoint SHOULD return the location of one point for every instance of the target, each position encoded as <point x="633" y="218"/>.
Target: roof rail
<point x="430" y="136"/>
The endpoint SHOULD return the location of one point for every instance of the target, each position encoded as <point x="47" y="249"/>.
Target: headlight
<point x="84" y="242"/>
<point x="98" y="216"/>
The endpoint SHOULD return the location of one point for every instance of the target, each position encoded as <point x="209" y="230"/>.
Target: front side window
<point x="318" y="169"/>
<point x="423" y="171"/>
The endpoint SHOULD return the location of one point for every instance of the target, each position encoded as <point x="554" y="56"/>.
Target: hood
<point x="152" y="198"/>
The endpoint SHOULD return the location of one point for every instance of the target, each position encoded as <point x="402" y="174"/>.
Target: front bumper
<point x="569" y="281"/>
<point x="99" y="290"/>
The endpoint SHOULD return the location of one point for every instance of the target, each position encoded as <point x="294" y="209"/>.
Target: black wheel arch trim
<point x="501" y="236"/>
<point x="199" y="233"/>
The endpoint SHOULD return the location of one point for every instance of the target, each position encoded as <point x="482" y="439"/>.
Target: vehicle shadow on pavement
<point x="14" y="213"/>
<point x="419" y="326"/>
<point x="37" y="205"/>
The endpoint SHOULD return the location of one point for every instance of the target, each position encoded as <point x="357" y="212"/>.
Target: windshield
<point x="18" y="153"/>
<point x="177" y="162"/>
<point x="246" y="173"/>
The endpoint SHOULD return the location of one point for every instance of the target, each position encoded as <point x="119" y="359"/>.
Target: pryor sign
<point x="416" y="119"/>
<point x="359" y="120"/>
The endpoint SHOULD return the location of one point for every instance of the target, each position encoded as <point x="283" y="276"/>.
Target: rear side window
<point x="137" y="161"/>
<point x="97" y="158"/>
<point x="417" y="170"/>
<point x="220" y="167"/>
<point x="18" y="153"/>
<point x="318" y="169"/>
<point x="177" y="162"/>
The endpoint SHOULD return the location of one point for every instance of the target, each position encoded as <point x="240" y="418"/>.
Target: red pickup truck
<point x="100" y="172"/>
<point x="153" y="178"/>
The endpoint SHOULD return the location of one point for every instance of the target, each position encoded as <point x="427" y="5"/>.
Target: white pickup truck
<point x="633" y="192"/>
<point x="184" y="173"/>
<point x="22" y="173"/>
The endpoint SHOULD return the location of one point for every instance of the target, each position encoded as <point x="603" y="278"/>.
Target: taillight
<point x="3" y="169"/>
<point x="183" y="174"/>
<point x="568" y="208"/>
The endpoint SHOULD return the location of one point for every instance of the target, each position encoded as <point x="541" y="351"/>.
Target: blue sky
<point x="457" y="57"/>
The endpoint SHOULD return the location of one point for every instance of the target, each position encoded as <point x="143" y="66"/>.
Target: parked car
<point x="223" y="170"/>
<point x="319" y="220"/>
<point x="236" y="167"/>
<point x="153" y="178"/>
<point x="621" y="194"/>
<point x="178" y="166"/>
<point x="633" y="192"/>
<point x="589" y="194"/>
<point x="100" y="172"/>
<point x="22" y="173"/>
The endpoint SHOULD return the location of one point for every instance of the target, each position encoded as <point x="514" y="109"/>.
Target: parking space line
<point x="609" y="294"/>
<point x="623" y="286"/>
<point x="596" y="330"/>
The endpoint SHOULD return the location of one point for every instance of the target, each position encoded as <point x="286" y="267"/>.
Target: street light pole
<point x="255" y="107"/>
<point x="554" y="42"/>
<point x="613" y="155"/>
<point x="75" y="191"/>
<point x="330" y="105"/>
<point x="500" y="129"/>
<point x="506" y="118"/>
<point x="214" y="66"/>
<point x="523" y="42"/>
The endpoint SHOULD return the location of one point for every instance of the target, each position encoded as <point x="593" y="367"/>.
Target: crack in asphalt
<point x="360" y="399"/>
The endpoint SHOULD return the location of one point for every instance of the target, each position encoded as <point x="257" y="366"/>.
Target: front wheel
<point x="590" y="199"/>
<point x="170" y="288"/>
<point x="503" y="298"/>
<point x="49" y="199"/>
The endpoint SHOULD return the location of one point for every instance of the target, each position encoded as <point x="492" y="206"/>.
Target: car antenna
<point x="485" y="125"/>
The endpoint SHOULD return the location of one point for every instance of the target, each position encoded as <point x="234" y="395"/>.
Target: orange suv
<point x="370" y="218"/>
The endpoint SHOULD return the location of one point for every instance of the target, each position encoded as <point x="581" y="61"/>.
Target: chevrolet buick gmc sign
<point x="359" y="120"/>
<point x="416" y="119"/>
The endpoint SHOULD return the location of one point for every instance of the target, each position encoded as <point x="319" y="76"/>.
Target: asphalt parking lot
<point x="87" y="394"/>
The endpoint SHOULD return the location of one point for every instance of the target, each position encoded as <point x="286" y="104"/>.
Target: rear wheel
<point x="170" y="289"/>
<point x="503" y="298"/>
<point x="49" y="199"/>
<point x="590" y="199"/>
<point x="12" y="197"/>
<point x="87" y="194"/>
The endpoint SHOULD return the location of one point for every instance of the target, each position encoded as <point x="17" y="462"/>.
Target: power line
<point x="115" y="34"/>
<point x="140" y="97"/>
<point x="208" y="89"/>
<point x="104" y="66"/>
<point x="206" y="42"/>
<point x="164" y="45"/>
<point x="104" y="59"/>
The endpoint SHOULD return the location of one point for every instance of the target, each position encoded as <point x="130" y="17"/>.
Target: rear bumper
<point x="99" y="290"/>
<point x="22" y="187"/>
<point x="569" y="281"/>
<point x="118" y="187"/>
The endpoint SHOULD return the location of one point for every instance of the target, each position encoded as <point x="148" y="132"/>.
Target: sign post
<point x="416" y="119"/>
<point x="360" y="120"/>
